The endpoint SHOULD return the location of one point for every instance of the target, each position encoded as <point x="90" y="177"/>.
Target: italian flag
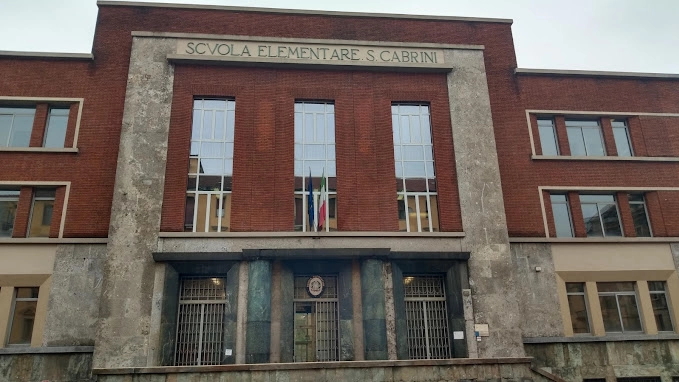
<point x="323" y="191"/>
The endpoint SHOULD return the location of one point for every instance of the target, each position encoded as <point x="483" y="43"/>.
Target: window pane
<point x="575" y="287"/>
<point x="639" y="217"/>
<point x="609" y="214"/>
<point x="593" y="141"/>
<point x="622" y="141"/>
<point x="629" y="313"/>
<point x="548" y="140"/>
<point x="610" y="314"/>
<point x="8" y="208"/>
<point x="590" y="213"/>
<point x="578" y="309"/>
<point x="40" y="223"/>
<point x="576" y="142"/>
<point x="5" y="129"/>
<point x="562" y="218"/>
<point x="21" y="131"/>
<point x="625" y="286"/>
<point x="661" y="310"/>
<point x="23" y="320"/>
<point x="56" y="128"/>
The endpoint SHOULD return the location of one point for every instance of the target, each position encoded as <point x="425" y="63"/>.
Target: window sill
<point x="46" y="350"/>
<point x="593" y="239"/>
<point x="295" y="234"/>
<point x="606" y="338"/>
<point x="53" y="240"/>
<point x="605" y="158"/>
<point x="72" y="150"/>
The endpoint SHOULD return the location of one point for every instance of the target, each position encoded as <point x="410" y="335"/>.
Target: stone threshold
<point x="313" y="235"/>
<point x="311" y="365"/>
<point x="46" y="350"/>
<point x="608" y="338"/>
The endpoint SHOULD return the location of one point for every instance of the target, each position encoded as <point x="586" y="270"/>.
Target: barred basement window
<point x="208" y="193"/>
<point x="426" y="317"/>
<point x="200" y="321"/>
<point x="316" y="331"/>
<point x="639" y="379"/>
<point x="415" y="176"/>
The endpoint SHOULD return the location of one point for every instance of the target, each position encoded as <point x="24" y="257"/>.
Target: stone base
<point x="73" y="364"/>
<point x="495" y="369"/>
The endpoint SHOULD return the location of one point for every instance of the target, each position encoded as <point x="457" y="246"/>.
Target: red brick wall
<point x="652" y="136"/>
<point x="102" y="84"/>
<point x="264" y="140"/>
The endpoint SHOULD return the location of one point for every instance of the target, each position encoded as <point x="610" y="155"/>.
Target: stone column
<point x="128" y="279"/>
<point x="482" y="206"/>
<point x="374" y="322"/>
<point x="258" y="339"/>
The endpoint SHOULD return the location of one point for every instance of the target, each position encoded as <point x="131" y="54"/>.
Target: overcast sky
<point x="613" y="35"/>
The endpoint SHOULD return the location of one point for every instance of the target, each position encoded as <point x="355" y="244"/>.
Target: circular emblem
<point x="315" y="286"/>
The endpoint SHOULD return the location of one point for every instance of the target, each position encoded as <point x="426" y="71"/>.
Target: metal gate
<point x="200" y="321"/>
<point x="426" y="317"/>
<point x="316" y="330"/>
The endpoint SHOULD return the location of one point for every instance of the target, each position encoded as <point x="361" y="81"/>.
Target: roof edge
<point x="49" y="55"/>
<point x="594" y="73"/>
<point x="303" y="12"/>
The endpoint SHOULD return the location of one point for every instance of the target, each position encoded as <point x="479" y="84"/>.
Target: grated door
<point x="200" y="321"/>
<point x="426" y="317"/>
<point x="316" y="330"/>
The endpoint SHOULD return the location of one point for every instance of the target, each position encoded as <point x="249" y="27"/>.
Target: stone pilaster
<point x="482" y="206"/>
<point x="128" y="280"/>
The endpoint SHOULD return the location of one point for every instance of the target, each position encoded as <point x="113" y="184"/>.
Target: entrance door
<point x="316" y="330"/>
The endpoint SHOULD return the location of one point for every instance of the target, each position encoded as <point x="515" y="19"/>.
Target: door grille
<point x="200" y="321"/>
<point x="426" y="317"/>
<point x="316" y="330"/>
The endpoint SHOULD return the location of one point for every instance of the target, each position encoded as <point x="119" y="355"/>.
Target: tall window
<point x="315" y="167"/>
<point x="584" y="138"/>
<point x="547" y="136"/>
<point x="661" y="310"/>
<point x="415" y="176"/>
<point x="200" y="321"/>
<point x="622" y="141"/>
<point x="23" y="316"/>
<point x="316" y="330"/>
<point x="426" y="317"/>
<point x="578" y="307"/>
<point x="601" y="215"/>
<point x="41" y="212"/>
<point x="562" y="215"/>
<point x="637" y="204"/>
<point x="208" y="194"/>
<point x="57" y="122"/>
<point x="9" y="199"/>
<point x="619" y="307"/>
<point x="16" y="124"/>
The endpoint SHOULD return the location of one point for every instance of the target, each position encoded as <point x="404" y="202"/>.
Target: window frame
<point x="574" y="126"/>
<point x="400" y="164"/>
<point x="57" y="102"/>
<point x="648" y="218"/>
<point x="628" y="138"/>
<point x="329" y="168"/>
<point x="222" y="195"/>
<point x="601" y="220"/>
<point x="616" y="294"/>
<point x="10" y="323"/>
<point x="553" y="137"/>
